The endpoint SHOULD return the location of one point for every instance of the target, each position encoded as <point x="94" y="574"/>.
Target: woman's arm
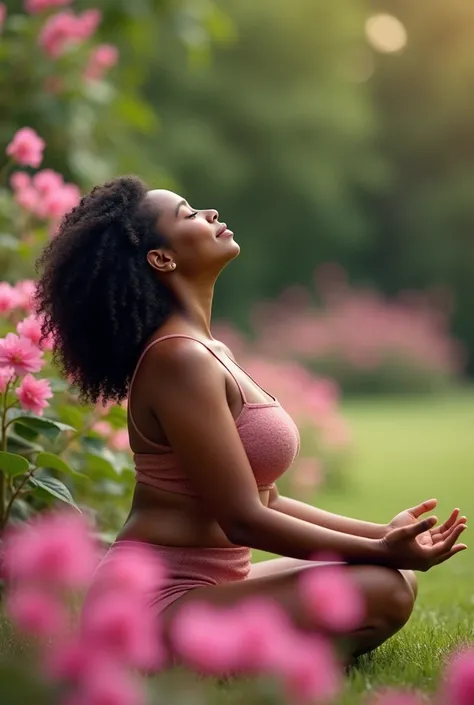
<point x="335" y="522"/>
<point x="188" y="396"/>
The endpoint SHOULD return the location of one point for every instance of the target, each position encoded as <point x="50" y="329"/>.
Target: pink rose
<point x="33" y="393"/>
<point x="26" y="148"/>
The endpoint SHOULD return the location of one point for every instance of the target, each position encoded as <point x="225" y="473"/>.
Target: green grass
<point x="405" y="450"/>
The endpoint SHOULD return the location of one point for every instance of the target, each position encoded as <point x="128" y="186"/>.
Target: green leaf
<point x="12" y="464"/>
<point x="56" y="488"/>
<point x="9" y="242"/>
<point x="55" y="462"/>
<point x="72" y="415"/>
<point x="100" y="464"/>
<point x="44" y="426"/>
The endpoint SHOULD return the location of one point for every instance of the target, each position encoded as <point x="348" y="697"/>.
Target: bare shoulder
<point x="182" y="365"/>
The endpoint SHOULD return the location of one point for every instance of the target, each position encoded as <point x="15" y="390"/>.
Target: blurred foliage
<point x="313" y="146"/>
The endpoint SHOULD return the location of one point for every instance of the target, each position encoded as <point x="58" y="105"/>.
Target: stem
<point x="13" y="497"/>
<point x="4" y="169"/>
<point x="3" y="446"/>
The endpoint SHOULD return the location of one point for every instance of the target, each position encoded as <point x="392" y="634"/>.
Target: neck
<point x="196" y="298"/>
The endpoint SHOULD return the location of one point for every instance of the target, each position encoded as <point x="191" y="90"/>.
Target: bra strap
<point x="159" y="340"/>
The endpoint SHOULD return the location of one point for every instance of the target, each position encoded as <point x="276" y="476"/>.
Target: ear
<point x="161" y="261"/>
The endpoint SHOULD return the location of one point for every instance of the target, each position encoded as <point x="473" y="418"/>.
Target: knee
<point x="412" y="581"/>
<point x="400" y="599"/>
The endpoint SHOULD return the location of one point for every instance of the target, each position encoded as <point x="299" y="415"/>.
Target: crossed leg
<point x="389" y="596"/>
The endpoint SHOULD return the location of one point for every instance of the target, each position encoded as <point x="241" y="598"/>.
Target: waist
<point x="165" y="518"/>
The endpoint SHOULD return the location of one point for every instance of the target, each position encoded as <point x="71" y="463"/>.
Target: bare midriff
<point x="169" y="519"/>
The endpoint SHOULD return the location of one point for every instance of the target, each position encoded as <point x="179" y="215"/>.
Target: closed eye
<point x="193" y="215"/>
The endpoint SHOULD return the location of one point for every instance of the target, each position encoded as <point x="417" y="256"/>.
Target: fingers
<point x="438" y="535"/>
<point x="413" y="530"/>
<point x="449" y="522"/>
<point x="426" y="506"/>
<point x="445" y="546"/>
<point x="455" y="549"/>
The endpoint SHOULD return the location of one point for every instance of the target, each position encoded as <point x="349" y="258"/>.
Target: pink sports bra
<point x="269" y="436"/>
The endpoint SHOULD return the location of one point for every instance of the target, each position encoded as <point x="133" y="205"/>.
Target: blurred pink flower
<point x="124" y="627"/>
<point x="47" y="181"/>
<point x="458" y="686"/>
<point x="25" y="290"/>
<point x="30" y="327"/>
<point x="119" y="440"/>
<point x="396" y="697"/>
<point x="55" y="548"/>
<point x="70" y="659"/>
<point x="102" y="58"/>
<point x="65" y="30"/>
<point x="33" y="393"/>
<point x="20" y="180"/>
<point x="103" y="428"/>
<point x="6" y="376"/>
<point x="27" y="198"/>
<point x="26" y="148"/>
<point x="332" y="598"/>
<point x="9" y="298"/>
<point x="3" y="15"/>
<point x="35" y="611"/>
<point x="309" y="670"/>
<point x="306" y="475"/>
<point x="21" y="354"/>
<point x="207" y="638"/>
<point x="135" y="570"/>
<point x="107" y="684"/>
<point x="36" y="6"/>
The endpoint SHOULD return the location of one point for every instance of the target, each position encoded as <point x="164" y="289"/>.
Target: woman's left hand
<point x="433" y="536"/>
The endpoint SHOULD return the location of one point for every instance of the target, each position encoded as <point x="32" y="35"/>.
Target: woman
<point x="127" y="292"/>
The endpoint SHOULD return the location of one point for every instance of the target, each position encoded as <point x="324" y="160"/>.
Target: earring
<point x="173" y="265"/>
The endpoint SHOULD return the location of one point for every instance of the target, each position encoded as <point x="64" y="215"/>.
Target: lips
<point x="222" y="230"/>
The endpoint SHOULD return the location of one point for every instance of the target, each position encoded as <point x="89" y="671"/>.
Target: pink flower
<point x="70" y="660"/>
<point x="36" y="611"/>
<point x="120" y="441"/>
<point x="20" y="180"/>
<point x="53" y="204"/>
<point x="27" y="199"/>
<point x="3" y="14"/>
<point x="65" y="30"/>
<point x="332" y="598"/>
<point x="107" y="684"/>
<point x="36" y="6"/>
<point x="33" y="393"/>
<point x="9" y="298"/>
<point x="308" y="669"/>
<point x="47" y="180"/>
<point x="205" y="638"/>
<point x="102" y="427"/>
<point x="124" y="627"/>
<point x="395" y="697"/>
<point x="26" y="148"/>
<point x="54" y="549"/>
<point x="21" y="354"/>
<point x="100" y="61"/>
<point x="135" y="570"/>
<point x="25" y="290"/>
<point x="458" y="688"/>
<point x="30" y="327"/>
<point x="6" y="376"/>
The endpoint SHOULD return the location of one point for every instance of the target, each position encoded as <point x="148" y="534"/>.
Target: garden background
<point x="337" y="140"/>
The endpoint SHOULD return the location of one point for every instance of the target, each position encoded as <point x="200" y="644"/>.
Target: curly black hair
<point x="98" y="296"/>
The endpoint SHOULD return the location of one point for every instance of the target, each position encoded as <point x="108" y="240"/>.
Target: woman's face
<point x="198" y="242"/>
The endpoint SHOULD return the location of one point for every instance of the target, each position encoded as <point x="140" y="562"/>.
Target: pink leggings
<point x="187" y="568"/>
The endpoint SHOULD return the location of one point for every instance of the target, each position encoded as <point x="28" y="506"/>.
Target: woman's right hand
<point x="402" y="550"/>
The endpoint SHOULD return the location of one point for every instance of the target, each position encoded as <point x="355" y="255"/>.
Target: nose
<point x="212" y="215"/>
